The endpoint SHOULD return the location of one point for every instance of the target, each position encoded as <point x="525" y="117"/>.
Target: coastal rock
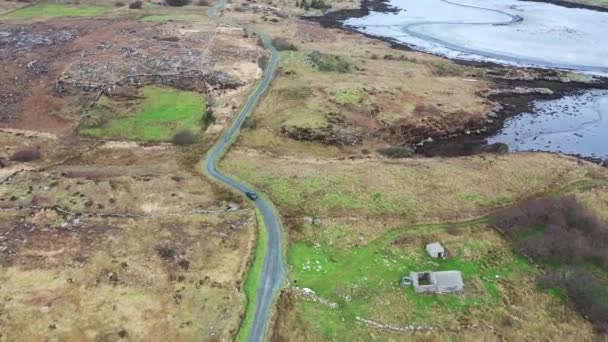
<point x="519" y="91"/>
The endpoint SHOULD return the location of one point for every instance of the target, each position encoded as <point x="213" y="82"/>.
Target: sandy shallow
<point x="504" y="31"/>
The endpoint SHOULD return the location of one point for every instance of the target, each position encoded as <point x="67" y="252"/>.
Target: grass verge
<point x="57" y="10"/>
<point x="253" y="275"/>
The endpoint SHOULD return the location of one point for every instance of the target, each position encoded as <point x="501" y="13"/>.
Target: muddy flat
<point x="510" y="32"/>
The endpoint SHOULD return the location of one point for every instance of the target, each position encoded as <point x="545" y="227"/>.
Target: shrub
<point x="26" y="155"/>
<point x="136" y="5"/>
<point x="119" y="4"/>
<point x="169" y="39"/>
<point x="567" y="238"/>
<point x="330" y="63"/>
<point x="319" y="4"/>
<point x="283" y="44"/>
<point x="262" y="62"/>
<point x="588" y="293"/>
<point x="203" y="3"/>
<point x="178" y="3"/>
<point x="250" y="123"/>
<point x="208" y="117"/>
<point x="397" y="152"/>
<point x="183" y="138"/>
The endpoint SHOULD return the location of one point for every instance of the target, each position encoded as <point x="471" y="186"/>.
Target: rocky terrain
<point x="106" y="240"/>
<point x="110" y="231"/>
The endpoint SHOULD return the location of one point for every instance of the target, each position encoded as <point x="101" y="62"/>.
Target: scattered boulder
<point x="520" y="91"/>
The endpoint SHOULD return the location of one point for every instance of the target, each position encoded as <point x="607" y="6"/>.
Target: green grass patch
<point x="177" y="16"/>
<point x="330" y="63"/>
<point x="156" y="115"/>
<point x="362" y="279"/>
<point x="58" y="10"/>
<point x="347" y="97"/>
<point x="294" y="62"/>
<point x="332" y="193"/>
<point x="253" y="276"/>
<point x="155" y="18"/>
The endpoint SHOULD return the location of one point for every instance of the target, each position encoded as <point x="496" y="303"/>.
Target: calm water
<point x="523" y="34"/>
<point x="576" y="124"/>
<point x="503" y="31"/>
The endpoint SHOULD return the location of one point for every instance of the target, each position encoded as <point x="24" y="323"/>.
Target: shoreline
<point x="461" y="144"/>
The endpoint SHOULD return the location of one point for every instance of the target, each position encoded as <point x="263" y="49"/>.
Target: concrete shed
<point x="437" y="282"/>
<point x="435" y="250"/>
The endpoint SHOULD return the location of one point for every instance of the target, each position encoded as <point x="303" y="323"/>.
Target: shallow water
<point x="522" y="34"/>
<point x="503" y="31"/>
<point x="575" y="124"/>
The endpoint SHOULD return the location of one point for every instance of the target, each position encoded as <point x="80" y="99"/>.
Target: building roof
<point x="434" y="248"/>
<point x="448" y="279"/>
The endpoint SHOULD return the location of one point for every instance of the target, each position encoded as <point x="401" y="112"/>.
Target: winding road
<point x="273" y="270"/>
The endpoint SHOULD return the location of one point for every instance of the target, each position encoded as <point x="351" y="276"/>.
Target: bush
<point x="183" y="138"/>
<point x="169" y="39"/>
<point x="330" y="63"/>
<point x="178" y="3"/>
<point x="119" y="4"/>
<point x="208" y="118"/>
<point x="568" y="239"/>
<point x="250" y="123"/>
<point x="557" y="230"/>
<point x="26" y="155"/>
<point x="397" y="152"/>
<point x="319" y="4"/>
<point x="203" y="3"/>
<point x="263" y="61"/>
<point x="136" y="5"/>
<point x="588" y="293"/>
<point x="283" y="44"/>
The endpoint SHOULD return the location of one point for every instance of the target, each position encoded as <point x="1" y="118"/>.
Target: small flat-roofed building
<point x="437" y="282"/>
<point x="435" y="250"/>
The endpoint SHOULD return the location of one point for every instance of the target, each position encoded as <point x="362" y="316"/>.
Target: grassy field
<point x="380" y="89"/>
<point x="177" y="15"/>
<point x="58" y="10"/>
<point x="500" y="289"/>
<point x="109" y="246"/>
<point x="156" y="115"/>
<point x="251" y="283"/>
<point x="414" y="190"/>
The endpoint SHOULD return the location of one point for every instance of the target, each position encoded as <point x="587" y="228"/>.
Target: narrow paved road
<point x="272" y="270"/>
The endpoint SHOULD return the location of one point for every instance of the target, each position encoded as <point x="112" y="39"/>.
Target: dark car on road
<point x="252" y="195"/>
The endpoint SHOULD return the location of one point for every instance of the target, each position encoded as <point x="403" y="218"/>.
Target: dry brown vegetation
<point x="320" y="145"/>
<point x="335" y="91"/>
<point x="571" y="242"/>
<point x="117" y="240"/>
<point x="57" y="69"/>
